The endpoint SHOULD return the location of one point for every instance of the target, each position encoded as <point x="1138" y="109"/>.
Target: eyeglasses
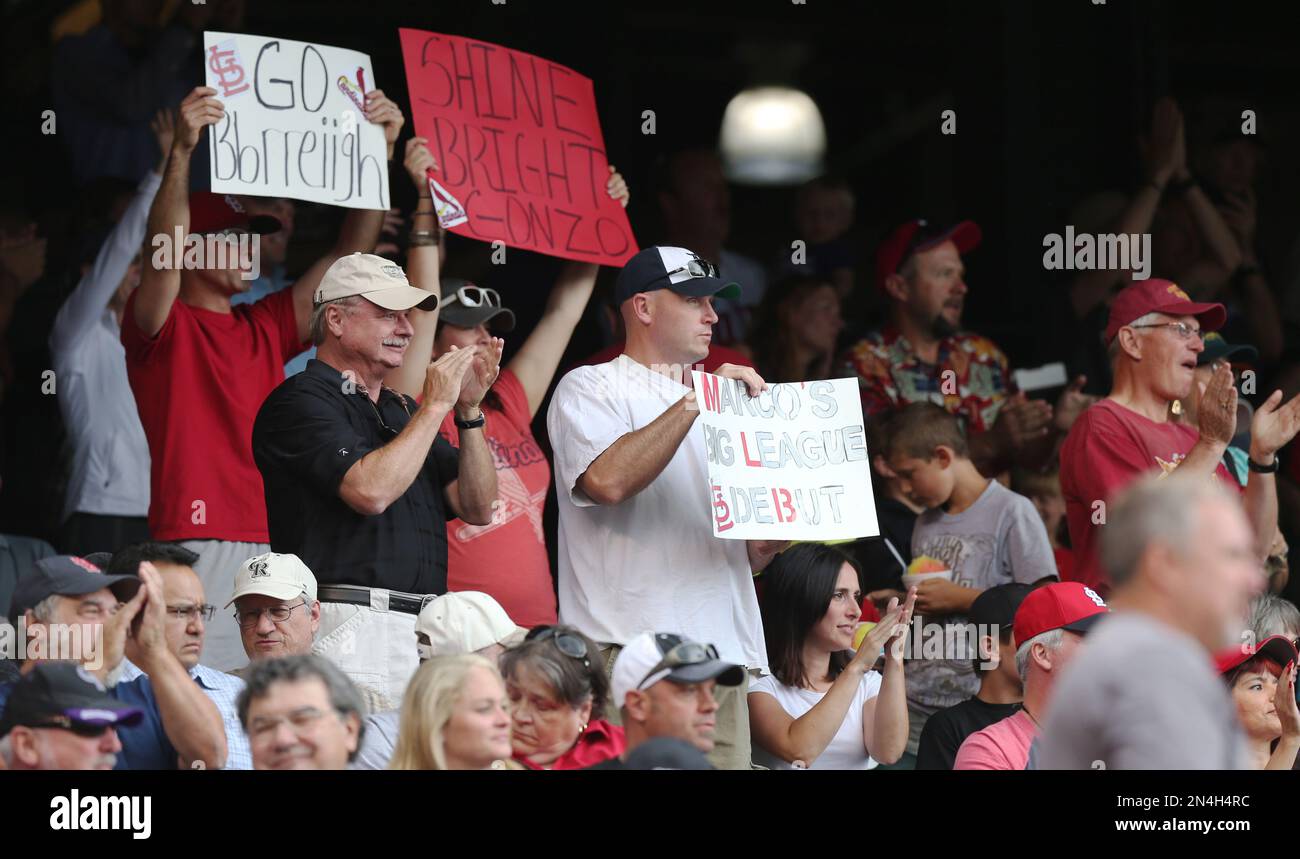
<point x="302" y="719"/>
<point x="683" y="653"/>
<point x="191" y="612"/>
<point x="279" y="614"/>
<point x="696" y="268"/>
<point x="478" y="296"/>
<point x="380" y="417"/>
<point x="81" y="729"/>
<point x="568" y="643"/>
<point x="1184" y="330"/>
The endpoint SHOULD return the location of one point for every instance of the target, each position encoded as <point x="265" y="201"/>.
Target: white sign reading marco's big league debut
<point x="295" y="123"/>
<point x="789" y="464"/>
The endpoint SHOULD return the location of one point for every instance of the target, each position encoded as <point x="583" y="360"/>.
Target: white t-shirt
<point x="650" y="563"/>
<point x="848" y="749"/>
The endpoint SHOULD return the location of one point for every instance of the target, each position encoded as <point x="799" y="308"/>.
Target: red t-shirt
<point x="718" y="355"/>
<point x="600" y="742"/>
<point x="198" y="385"/>
<point x="507" y="559"/>
<point x="1108" y="448"/>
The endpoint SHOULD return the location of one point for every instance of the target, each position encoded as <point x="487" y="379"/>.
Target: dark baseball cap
<point x="678" y="269"/>
<point x="67" y="575"/>
<point x="1218" y="349"/>
<point x="212" y="213"/>
<point x="63" y="695"/>
<point x="667" y="753"/>
<point x="997" y="606"/>
<point x="920" y="235"/>
<point x="469" y="305"/>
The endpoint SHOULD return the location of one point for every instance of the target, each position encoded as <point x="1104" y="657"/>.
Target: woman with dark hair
<point x="558" y="692"/>
<point x="795" y="330"/>
<point x="823" y="704"/>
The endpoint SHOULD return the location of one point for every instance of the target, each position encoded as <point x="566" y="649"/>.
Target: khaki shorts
<point x="731" y="742"/>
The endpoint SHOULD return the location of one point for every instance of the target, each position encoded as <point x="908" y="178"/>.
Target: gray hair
<point x="1051" y="640"/>
<point x="263" y="674"/>
<point x="1112" y="350"/>
<point x="1272" y="615"/>
<point x="45" y="610"/>
<point x="6" y="752"/>
<point x="317" y="327"/>
<point x="1157" y="508"/>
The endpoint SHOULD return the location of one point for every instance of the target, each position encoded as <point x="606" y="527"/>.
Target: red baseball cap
<point x="1060" y="605"/>
<point x="211" y="213"/>
<point x="915" y="236"/>
<point x="1160" y="296"/>
<point x="1275" y="648"/>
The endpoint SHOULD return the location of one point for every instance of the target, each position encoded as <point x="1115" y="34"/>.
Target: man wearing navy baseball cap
<point x="629" y="465"/>
<point x="923" y="354"/>
<point x="59" y="717"/>
<point x="68" y="603"/>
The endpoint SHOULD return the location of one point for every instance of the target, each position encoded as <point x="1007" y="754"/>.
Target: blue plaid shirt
<point x="224" y="691"/>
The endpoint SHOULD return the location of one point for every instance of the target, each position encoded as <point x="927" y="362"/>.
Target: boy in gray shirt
<point x="982" y="531"/>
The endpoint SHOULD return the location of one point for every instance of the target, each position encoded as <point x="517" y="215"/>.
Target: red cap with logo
<point x="1275" y="648"/>
<point x="212" y="213"/>
<point x="916" y="236"/>
<point x="1060" y="605"/>
<point x="1160" y="296"/>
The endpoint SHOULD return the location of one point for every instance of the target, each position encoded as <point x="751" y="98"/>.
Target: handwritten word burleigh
<point x="294" y="124"/>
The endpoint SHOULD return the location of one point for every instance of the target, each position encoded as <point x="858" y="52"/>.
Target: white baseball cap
<point x="643" y="663"/>
<point x="375" y="279"/>
<point x="465" y="622"/>
<point x="274" y="575"/>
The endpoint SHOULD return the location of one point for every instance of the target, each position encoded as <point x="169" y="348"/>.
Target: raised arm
<point x="423" y="261"/>
<point x="189" y="718"/>
<point x="97" y="288"/>
<point x="361" y="227"/>
<point x="537" y="360"/>
<point x="170" y="213"/>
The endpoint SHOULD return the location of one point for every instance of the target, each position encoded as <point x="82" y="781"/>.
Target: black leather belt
<point x="397" y="601"/>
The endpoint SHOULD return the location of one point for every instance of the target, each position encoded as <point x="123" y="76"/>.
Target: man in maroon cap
<point x="1048" y="629"/>
<point x="923" y="355"/>
<point x="1154" y="336"/>
<point x="200" y="368"/>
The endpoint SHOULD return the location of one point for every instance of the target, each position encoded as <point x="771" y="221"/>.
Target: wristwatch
<point x="1264" y="469"/>
<point x="474" y="423"/>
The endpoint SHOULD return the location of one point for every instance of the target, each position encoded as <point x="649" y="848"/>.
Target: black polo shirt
<point x="307" y="435"/>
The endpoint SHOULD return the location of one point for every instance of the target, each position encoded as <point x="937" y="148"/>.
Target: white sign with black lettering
<point x="295" y="123"/>
<point x="789" y="464"/>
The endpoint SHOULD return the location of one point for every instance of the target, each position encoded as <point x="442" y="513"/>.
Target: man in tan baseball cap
<point x="373" y="278"/>
<point x="276" y="606"/>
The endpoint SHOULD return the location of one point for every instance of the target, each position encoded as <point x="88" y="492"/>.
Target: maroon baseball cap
<point x="916" y="236"/>
<point x="212" y="213"/>
<point x="1160" y="296"/>
<point x="1276" y="648"/>
<point x="1060" y="605"/>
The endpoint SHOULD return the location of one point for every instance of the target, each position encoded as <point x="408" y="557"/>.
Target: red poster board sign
<point x="521" y="158"/>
